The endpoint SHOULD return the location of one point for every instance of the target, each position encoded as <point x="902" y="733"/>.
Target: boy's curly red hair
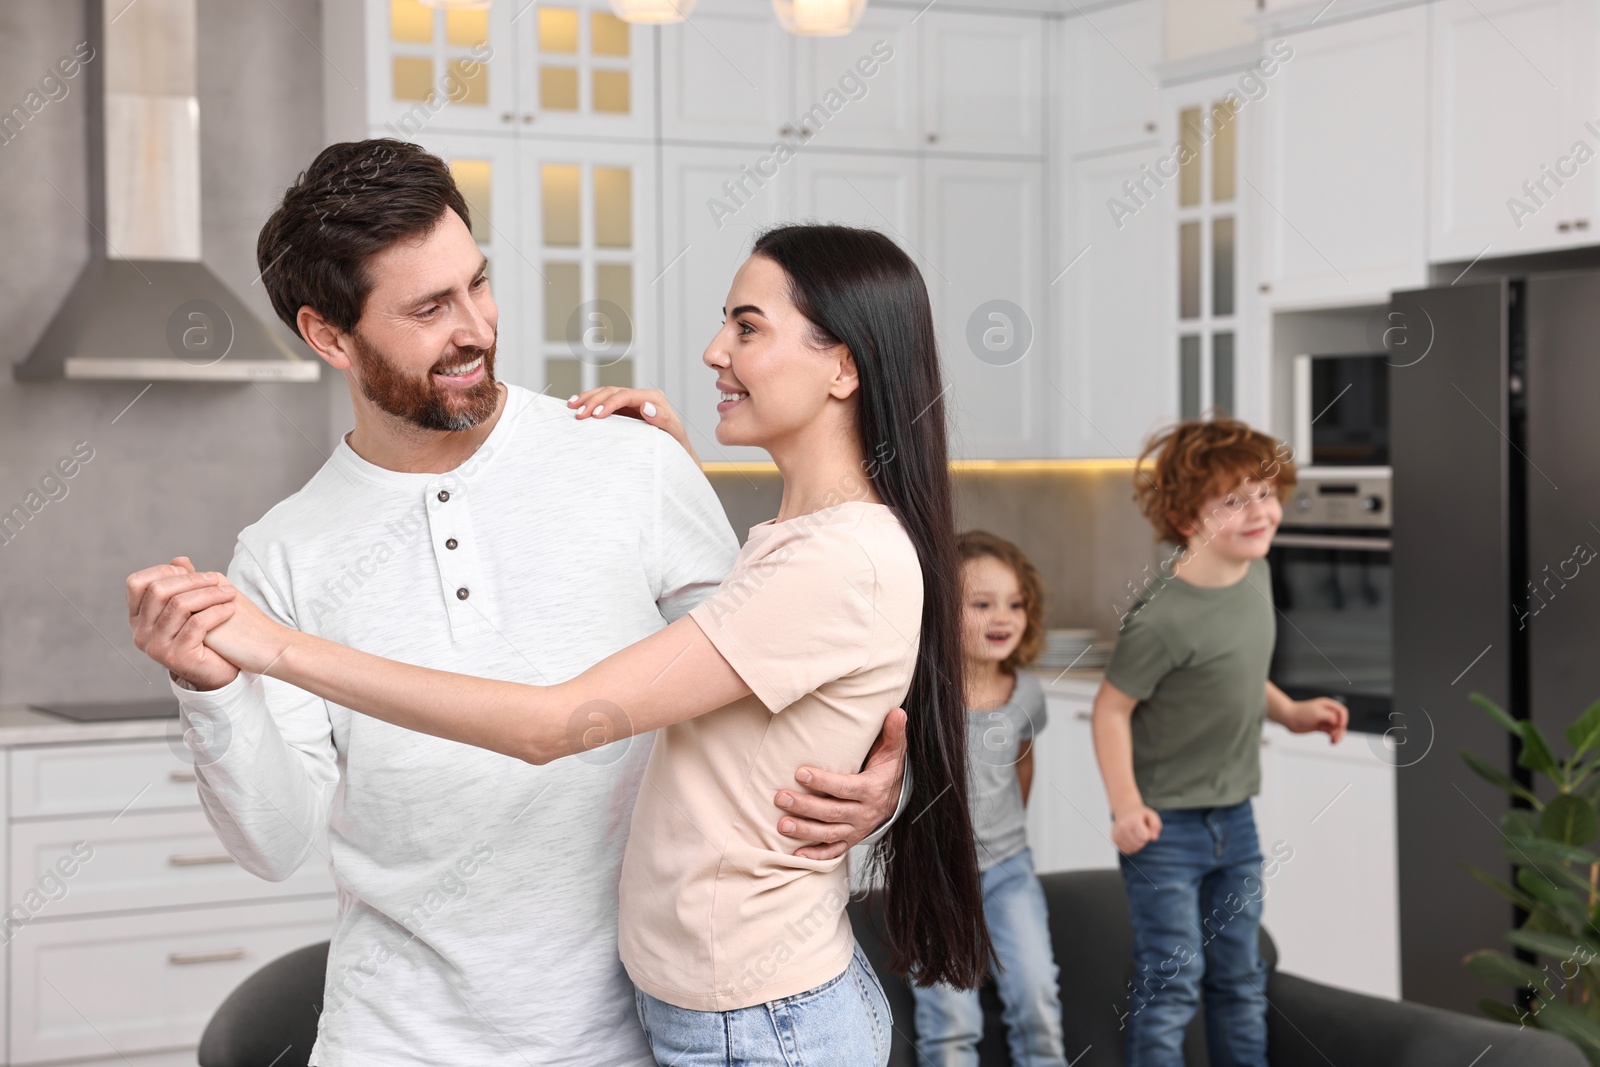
<point x="1199" y="459"/>
<point x="976" y="543"/>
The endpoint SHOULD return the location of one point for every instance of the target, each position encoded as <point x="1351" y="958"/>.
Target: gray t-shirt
<point x="994" y="744"/>
<point x="1196" y="660"/>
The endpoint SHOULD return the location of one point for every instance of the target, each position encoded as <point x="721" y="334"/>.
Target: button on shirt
<point x="477" y="893"/>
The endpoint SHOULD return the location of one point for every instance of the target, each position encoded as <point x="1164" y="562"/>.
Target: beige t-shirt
<point x="820" y="617"/>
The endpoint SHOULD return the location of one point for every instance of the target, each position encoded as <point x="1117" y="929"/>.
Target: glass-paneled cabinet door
<point x="589" y="265"/>
<point x="1208" y="160"/>
<point x="431" y="69"/>
<point x="581" y="71"/>
<point x="486" y="171"/>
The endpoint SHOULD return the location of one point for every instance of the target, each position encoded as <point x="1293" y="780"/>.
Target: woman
<point x="843" y="605"/>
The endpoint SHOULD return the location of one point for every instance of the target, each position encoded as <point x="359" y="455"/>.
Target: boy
<point x="1177" y="731"/>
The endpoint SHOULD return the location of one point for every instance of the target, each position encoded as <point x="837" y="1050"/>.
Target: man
<point x="478" y="528"/>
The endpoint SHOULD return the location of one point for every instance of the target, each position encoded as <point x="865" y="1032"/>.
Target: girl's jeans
<point x="950" y="1021"/>
<point x="1194" y="895"/>
<point x="841" y="1023"/>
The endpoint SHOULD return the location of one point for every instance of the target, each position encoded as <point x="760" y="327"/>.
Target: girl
<point x="739" y="949"/>
<point x="1002" y="630"/>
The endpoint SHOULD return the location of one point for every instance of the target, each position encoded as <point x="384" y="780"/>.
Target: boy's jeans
<point x="950" y="1021"/>
<point x="1195" y="894"/>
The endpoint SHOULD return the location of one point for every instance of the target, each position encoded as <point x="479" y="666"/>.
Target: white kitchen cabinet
<point x="712" y="205"/>
<point x="983" y="223"/>
<point x="425" y="69"/>
<point x="1342" y="131"/>
<point x="727" y="77"/>
<point x="583" y="72"/>
<point x="1069" y="821"/>
<point x="1327" y="813"/>
<point x="983" y="83"/>
<point x="880" y="192"/>
<point x="870" y="80"/>
<point x="65" y="780"/>
<point x="1111" y="98"/>
<point x="587" y="260"/>
<point x="142" y="860"/>
<point x="1115" y="378"/>
<point x="94" y="987"/>
<point x="128" y="922"/>
<point x="564" y="69"/>
<point x="1514" y="97"/>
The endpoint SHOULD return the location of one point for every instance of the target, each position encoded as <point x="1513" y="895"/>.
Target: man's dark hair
<point x="356" y="199"/>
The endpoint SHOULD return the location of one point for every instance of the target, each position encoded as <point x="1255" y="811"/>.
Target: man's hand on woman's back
<point x="841" y="810"/>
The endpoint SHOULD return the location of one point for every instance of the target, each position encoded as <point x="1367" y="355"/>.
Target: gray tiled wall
<point x="1080" y="528"/>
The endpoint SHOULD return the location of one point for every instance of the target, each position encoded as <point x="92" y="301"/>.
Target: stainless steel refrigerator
<point x="1495" y="438"/>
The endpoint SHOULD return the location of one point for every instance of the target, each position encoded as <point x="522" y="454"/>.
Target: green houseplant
<point x="1556" y="882"/>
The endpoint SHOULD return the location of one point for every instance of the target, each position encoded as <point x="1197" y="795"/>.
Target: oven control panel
<point x="1329" y="497"/>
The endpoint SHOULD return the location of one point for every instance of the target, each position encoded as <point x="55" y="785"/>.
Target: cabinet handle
<point x="786" y="130"/>
<point x="182" y="776"/>
<point x="1580" y="224"/>
<point x="200" y="860"/>
<point x="1264" y="287"/>
<point x="506" y="116"/>
<point x="182" y="958"/>
<point x="805" y="131"/>
<point x="528" y="117"/>
<point x="1149" y="127"/>
<point x="1563" y="227"/>
<point x="1084" y="716"/>
<point x="933" y="138"/>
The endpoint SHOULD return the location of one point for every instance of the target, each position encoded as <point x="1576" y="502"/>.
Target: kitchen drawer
<point x="110" y="777"/>
<point x="151" y="860"/>
<point x="97" y="987"/>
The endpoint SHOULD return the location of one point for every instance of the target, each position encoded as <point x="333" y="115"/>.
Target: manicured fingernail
<point x="580" y="411"/>
<point x="786" y="828"/>
<point x="785" y="800"/>
<point x="573" y="398"/>
<point x="804" y="776"/>
<point x="600" y="410"/>
<point x="649" y="410"/>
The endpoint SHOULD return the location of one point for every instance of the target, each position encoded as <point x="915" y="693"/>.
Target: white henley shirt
<point x="477" y="893"/>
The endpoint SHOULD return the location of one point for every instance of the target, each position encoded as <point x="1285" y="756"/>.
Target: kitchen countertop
<point x="1075" y="683"/>
<point x="20" y="725"/>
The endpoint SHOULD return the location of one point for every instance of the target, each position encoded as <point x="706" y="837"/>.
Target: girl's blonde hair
<point x="975" y="544"/>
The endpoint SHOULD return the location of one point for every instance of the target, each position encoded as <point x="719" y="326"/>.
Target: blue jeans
<point x="1194" y="895"/>
<point x="950" y="1021"/>
<point x="841" y="1023"/>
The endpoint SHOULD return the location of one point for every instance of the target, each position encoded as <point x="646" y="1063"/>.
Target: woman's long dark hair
<point x="857" y="288"/>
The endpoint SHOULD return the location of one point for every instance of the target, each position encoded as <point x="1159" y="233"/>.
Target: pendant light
<point x="653" y="12"/>
<point x="819" y="18"/>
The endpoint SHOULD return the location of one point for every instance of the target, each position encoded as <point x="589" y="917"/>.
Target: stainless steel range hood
<point x="145" y="307"/>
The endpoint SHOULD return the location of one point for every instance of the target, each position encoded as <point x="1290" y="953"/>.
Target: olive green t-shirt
<point x="1196" y="660"/>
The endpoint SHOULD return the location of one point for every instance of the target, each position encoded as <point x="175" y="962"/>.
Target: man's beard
<point x="423" y="403"/>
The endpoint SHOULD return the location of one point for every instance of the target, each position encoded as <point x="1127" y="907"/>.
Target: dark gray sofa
<point x="1308" y="1024"/>
<point x="271" y="1019"/>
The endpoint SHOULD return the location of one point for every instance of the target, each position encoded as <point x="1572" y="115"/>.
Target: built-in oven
<point x="1332" y="583"/>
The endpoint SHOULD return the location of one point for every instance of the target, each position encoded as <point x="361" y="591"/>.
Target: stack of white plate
<point x="1073" y="648"/>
